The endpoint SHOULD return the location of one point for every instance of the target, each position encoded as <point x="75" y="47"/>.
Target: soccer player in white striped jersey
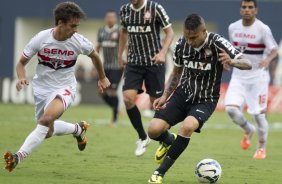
<point x="54" y="84"/>
<point x="256" y="42"/>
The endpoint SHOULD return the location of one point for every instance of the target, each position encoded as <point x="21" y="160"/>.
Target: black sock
<point x="115" y="108"/>
<point x="165" y="165"/>
<point x="166" y="138"/>
<point x="107" y="99"/>
<point x="178" y="146"/>
<point x="135" y="119"/>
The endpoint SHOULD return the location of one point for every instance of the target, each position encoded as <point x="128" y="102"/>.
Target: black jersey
<point x="202" y="73"/>
<point x="108" y="40"/>
<point x="143" y="26"/>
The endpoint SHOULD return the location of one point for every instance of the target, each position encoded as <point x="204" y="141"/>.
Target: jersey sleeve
<point x="268" y="39"/>
<point x="222" y="43"/>
<point x="86" y="46"/>
<point x="32" y="47"/>
<point x="162" y="16"/>
<point x="178" y="53"/>
<point x="99" y="37"/>
<point x="122" y="17"/>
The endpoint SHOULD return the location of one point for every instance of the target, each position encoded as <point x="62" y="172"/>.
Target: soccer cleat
<point x="156" y="178"/>
<point x="162" y="151"/>
<point x="11" y="161"/>
<point x="246" y="141"/>
<point x="260" y="154"/>
<point x="81" y="138"/>
<point x="141" y="146"/>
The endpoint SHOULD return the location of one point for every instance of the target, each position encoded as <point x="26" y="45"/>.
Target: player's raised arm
<point x="20" y="69"/>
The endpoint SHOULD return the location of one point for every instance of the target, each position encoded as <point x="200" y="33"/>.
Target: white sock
<point x="33" y="140"/>
<point x="262" y="128"/>
<point x="64" y="128"/>
<point x="237" y="117"/>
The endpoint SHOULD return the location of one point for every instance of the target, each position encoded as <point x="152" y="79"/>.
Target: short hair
<point x="254" y="1"/>
<point x="66" y="10"/>
<point x="193" y="21"/>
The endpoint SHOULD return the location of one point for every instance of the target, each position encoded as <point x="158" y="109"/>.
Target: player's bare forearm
<point x="20" y="67"/>
<point x="96" y="60"/>
<point x="241" y="63"/>
<point x="173" y="81"/>
<point x="168" y="39"/>
<point x="122" y="42"/>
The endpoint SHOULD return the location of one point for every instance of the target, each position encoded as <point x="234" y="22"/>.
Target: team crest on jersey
<point x="208" y="52"/>
<point x="147" y="15"/>
<point x="114" y="35"/>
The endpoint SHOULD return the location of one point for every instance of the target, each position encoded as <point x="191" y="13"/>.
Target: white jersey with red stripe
<point x="255" y="42"/>
<point x="56" y="59"/>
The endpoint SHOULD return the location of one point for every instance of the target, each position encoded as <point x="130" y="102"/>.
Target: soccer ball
<point x="208" y="171"/>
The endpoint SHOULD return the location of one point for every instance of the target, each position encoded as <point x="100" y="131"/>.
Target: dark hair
<point x="66" y="10"/>
<point x="193" y="21"/>
<point x="254" y="1"/>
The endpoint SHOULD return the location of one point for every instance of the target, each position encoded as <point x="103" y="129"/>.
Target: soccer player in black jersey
<point x="192" y="90"/>
<point x="108" y="37"/>
<point x="141" y="22"/>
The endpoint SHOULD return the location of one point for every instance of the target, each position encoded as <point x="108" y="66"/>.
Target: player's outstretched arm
<point x="20" y="69"/>
<point x="103" y="82"/>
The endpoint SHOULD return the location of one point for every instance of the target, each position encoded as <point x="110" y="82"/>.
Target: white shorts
<point x="254" y="94"/>
<point x="44" y="98"/>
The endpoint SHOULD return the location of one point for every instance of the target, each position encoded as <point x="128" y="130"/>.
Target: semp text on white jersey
<point x="56" y="59"/>
<point x="255" y="42"/>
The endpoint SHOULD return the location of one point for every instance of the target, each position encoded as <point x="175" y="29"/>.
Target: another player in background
<point x="108" y="37"/>
<point x="54" y="84"/>
<point x="141" y="22"/>
<point x="256" y="42"/>
<point x="192" y="90"/>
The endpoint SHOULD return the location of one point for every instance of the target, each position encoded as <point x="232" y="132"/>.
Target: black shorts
<point x="114" y="77"/>
<point x="153" y="77"/>
<point x="177" y="109"/>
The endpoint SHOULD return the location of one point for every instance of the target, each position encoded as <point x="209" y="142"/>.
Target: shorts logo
<point x="200" y="111"/>
<point x="67" y="92"/>
<point x="158" y="92"/>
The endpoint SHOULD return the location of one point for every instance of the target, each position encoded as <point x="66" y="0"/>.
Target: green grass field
<point x="109" y="157"/>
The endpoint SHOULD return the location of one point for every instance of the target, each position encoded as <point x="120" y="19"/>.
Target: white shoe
<point x="149" y="113"/>
<point x="141" y="146"/>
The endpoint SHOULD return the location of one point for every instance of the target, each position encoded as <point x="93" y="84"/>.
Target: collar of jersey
<point x="108" y="29"/>
<point x="206" y="41"/>
<point x="145" y="1"/>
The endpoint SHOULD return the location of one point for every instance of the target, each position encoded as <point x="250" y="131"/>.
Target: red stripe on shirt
<point x="251" y="45"/>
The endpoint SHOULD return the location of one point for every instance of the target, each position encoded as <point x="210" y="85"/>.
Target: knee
<point x="128" y="101"/>
<point x="154" y="130"/>
<point x="187" y="128"/>
<point x="46" y="120"/>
